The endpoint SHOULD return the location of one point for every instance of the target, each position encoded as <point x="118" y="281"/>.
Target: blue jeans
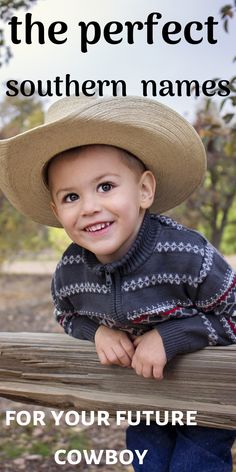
<point x="181" y="448"/>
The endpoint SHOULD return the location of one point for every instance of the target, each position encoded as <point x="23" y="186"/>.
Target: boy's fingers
<point x="113" y="357"/>
<point x="157" y="372"/>
<point x="103" y="358"/>
<point x="138" y="369"/>
<point x="117" y="356"/>
<point x="109" y="357"/>
<point x="143" y="369"/>
<point x="122" y="355"/>
<point x="137" y="340"/>
<point x="137" y="366"/>
<point x="147" y="371"/>
<point x="128" y="346"/>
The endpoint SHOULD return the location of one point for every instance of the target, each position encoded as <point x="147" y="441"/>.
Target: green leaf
<point x="215" y="126"/>
<point x="233" y="101"/>
<point x="223" y="103"/>
<point x="227" y="10"/>
<point x="228" y="117"/>
<point x="208" y="104"/>
<point x="232" y="84"/>
<point x="226" y="26"/>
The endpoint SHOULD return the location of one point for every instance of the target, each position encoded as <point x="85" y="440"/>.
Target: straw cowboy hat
<point x="166" y="143"/>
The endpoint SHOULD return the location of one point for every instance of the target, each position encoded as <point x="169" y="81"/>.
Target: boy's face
<point x="100" y="200"/>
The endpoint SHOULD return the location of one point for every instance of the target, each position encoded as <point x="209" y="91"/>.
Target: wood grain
<point x="61" y="372"/>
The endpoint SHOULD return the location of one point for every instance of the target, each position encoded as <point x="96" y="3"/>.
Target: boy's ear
<point x="147" y="189"/>
<point x="54" y="209"/>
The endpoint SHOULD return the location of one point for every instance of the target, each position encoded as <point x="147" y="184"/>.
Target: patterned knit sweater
<point x="171" y="279"/>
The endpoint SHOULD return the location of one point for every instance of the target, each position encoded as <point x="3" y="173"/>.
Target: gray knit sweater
<point x="171" y="279"/>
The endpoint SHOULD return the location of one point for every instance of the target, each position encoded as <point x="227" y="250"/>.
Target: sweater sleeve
<point x="214" y="295"/>
<point x="73" y="323"/>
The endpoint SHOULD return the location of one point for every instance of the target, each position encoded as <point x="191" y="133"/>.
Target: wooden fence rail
<point x="61" y="372"/>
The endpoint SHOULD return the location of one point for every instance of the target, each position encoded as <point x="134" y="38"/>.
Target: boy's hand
<point x="113" y="346"/>
<point x="149" y="358"/>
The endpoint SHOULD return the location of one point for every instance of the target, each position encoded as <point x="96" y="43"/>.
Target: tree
<point x="16" y="231"/>
<point x="7" y="10"/>
<point x="211" y="207"/>
<point x="227" y="13"/>
<point x="18" y="114"/>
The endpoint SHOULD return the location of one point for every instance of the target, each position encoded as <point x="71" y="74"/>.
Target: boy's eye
<point x="105" y="187"/>
<point x="71" y="197"/>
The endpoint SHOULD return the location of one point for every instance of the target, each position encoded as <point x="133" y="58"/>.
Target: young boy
<point x="139" y="285"/>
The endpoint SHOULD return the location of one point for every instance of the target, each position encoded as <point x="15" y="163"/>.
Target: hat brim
<point x="166" y="143"/>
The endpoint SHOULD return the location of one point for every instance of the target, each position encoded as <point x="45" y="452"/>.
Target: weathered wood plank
<point x="58" y="371"/>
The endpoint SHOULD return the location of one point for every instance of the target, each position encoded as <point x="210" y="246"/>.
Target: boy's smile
<point x="99" y="199"/>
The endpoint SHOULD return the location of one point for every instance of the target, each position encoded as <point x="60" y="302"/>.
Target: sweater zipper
<point x="108" y="278"/>
<point x="113" y="284"/>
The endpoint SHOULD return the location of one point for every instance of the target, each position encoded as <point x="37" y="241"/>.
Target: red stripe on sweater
<point x="232" y="326"/>
<point x="144" y="317"/>
<point x="222" y="297"/>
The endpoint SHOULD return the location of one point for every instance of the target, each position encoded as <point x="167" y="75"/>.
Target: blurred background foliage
<point x="211" y="209"/>
<point x="8" y="8"/>
<point x="18" y="234"/>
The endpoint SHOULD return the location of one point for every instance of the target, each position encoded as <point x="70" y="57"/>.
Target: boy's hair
<point x="135" y="164"/>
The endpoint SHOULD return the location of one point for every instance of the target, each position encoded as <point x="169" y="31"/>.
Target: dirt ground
<point x="26" y="306"/>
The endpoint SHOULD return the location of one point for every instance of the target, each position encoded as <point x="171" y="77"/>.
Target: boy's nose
<point x="90" y="206"/>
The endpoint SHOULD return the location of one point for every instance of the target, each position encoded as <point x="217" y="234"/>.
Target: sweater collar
<point x="139" y="252"/>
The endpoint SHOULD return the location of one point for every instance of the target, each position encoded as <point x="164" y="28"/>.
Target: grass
<point x="41" y="441"/>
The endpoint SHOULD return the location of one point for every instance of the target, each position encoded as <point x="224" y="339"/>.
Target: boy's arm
<point x="78" y="326"/>
<point x="158" y="346"/>
<point x="75" y="325"/>
<point x="191" y="334"/>
<point x="214" y="294"/>
<point x="112" y="346"/>
<point x="177" y="336"/>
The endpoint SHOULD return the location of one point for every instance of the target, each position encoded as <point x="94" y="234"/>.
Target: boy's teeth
<point x="97" y="227"/>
